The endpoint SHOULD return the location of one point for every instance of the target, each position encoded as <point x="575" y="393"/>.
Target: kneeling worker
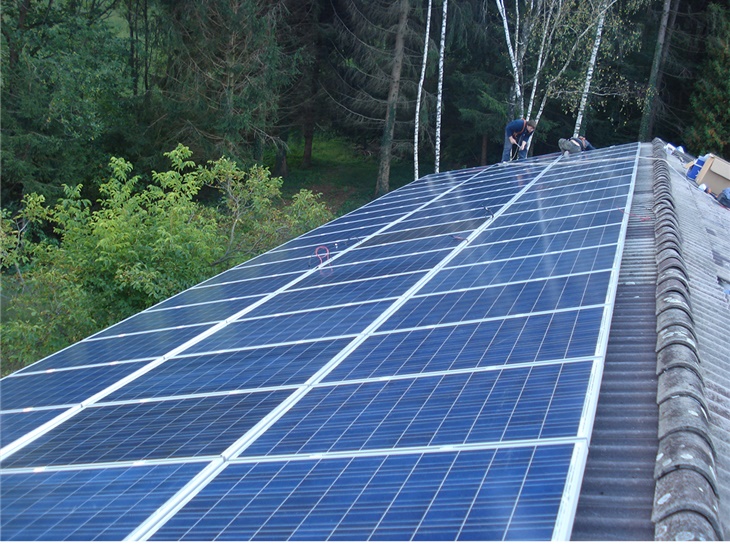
<point x="575" y="144"/>
<point x="517" y="133"/>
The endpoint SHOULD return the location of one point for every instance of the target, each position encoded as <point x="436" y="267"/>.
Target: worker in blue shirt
<point x="517" y="133"/>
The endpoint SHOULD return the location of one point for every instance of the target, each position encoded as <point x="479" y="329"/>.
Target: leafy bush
<point x="137" y="247"/>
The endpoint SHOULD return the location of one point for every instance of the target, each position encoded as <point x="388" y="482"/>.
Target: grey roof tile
<point x="687" y="451"/>
<point x="618" y="485"/>
<point x="685" y="526"/>
<point x="680" y="381"/>
<point x="686" y="491"/>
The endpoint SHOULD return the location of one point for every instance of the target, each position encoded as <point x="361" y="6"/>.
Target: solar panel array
<point x="423" y="368"/>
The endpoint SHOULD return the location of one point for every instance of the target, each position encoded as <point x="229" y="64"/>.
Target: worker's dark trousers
<point x="507" y="152"/>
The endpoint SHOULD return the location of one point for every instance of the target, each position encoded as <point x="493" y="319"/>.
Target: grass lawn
<point x="343" y="175"/>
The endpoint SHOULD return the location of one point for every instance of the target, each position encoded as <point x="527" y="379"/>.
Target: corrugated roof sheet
<point x="673" y="313"/>
<point x="616" y="499"/>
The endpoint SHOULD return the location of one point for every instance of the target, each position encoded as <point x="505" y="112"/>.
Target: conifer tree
<point x="374" y="78"/>
<point x="225" y="75"/>
<point x="711" y="98"/>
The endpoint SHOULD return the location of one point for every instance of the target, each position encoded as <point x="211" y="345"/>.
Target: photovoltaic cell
<point x="206" y="313"/>
<point x="343" y="321"/>
<point x="398" y="249"/>
<point x="541" y="244"/>
<point x="525" y="339"/>
<point x="251" y="275"/>
<point x="423" y="368"/>
<point x="515" y="230"/>
<point x="374" y="268"/>
<point x="552" y="265"/>
<point x="117" y="349"/>
<point x="269" y="267"/>
<point x="444" y="228"/>
<point x="230" y="290"/>
<point x="505" y="300"/>
<point x="338" y="293"/>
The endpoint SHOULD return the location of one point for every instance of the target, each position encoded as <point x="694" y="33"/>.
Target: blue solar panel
<point x="64" y="387"/>
<point x="423" y="368"/>
<point x="178" y="316"/>
<point x="500" y="301"/>
<point x="14" y="425"/>
<point x="373" y="268"/>
<point x="117" y="349"/>
<point x="85" y="505"/>
<point x="338" y="293"/>
<point x="399" y="249"/>
<point x="546" y="265"/>
<point x="520" y="403"/>
<point x="526" y="339"/>
<point x="230" y="290"/>
<point x="343" y="321"/>
<point x="540" y="244"/>
<point x="153" y="430"/>
<point x="505" y="494"/>
<point x="226" y="371"/>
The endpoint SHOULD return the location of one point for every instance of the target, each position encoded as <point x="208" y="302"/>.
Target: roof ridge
<point x="685" y="498"/>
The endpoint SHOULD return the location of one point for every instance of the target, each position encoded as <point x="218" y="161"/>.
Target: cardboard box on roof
<point x="715" y="174"/>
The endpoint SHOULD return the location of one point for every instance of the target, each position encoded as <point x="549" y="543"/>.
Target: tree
<point x="591" y="67"/>
<point x="546" y="42"/>
<point x="301" y="107"/>
<point x="386" y="143"/>
<point x="439" y="99"/>
<point x="711" y="98"/>
<point x="373" y="80"/>
<point x="482" y="109"/>
<point x="64" y="88"/>
<point x="543" y="39"/>
<point x="417" y="115"/>
<point x="651" y="92"/>
<point x="225" y="75"/>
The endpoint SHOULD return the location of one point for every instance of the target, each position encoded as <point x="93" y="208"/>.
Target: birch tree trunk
<point x="512" y="56"/>
<point x="589" y="72"/>
<point x="440" y="87"/>
<point x="650" y="99"/>
<point x="382" y="185"/>
<point x="538" y="68"/>
<point x="420" y="92"/>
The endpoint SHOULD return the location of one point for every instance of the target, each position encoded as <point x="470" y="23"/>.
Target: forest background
<point x="150" y="144"/>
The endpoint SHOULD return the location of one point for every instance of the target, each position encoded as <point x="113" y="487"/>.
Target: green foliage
<point x="711" y="98"/>
<point x="44" y="305"/>
<point x="64" y="76"/>
<point x="304" y="213"/>
<point x="139" y="245"/>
